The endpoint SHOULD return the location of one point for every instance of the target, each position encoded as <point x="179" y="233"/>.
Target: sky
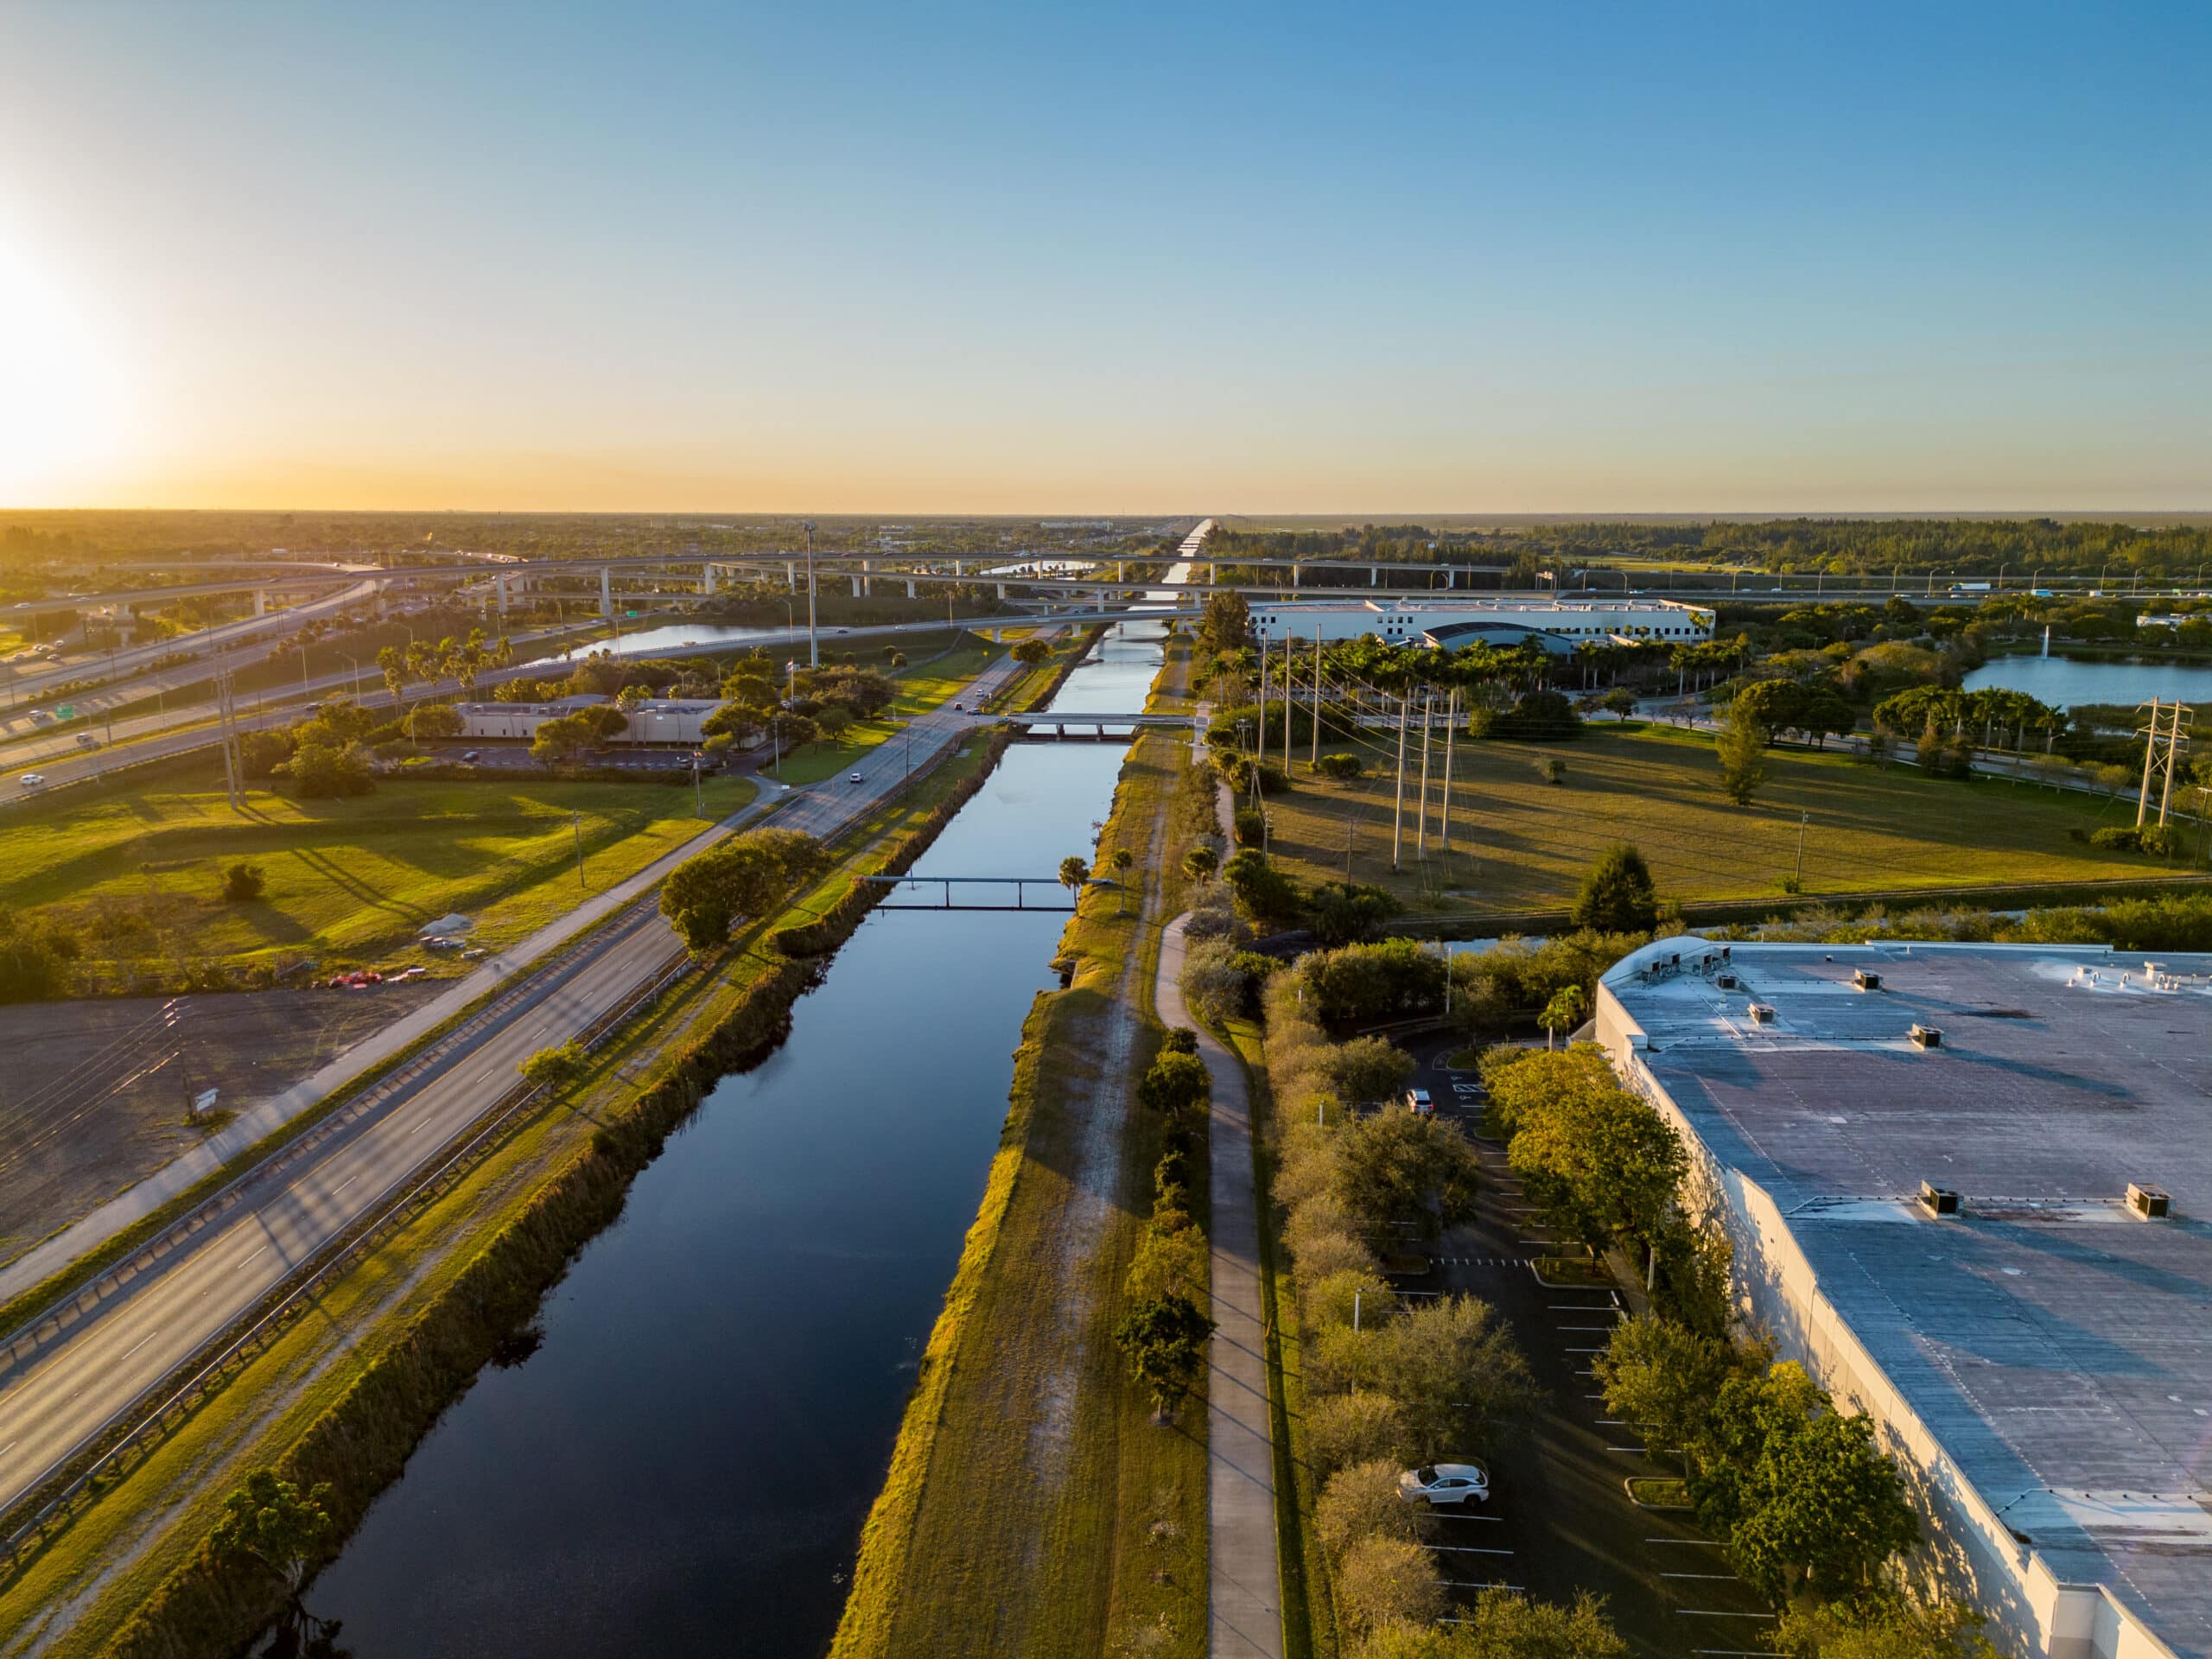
<point x="1378" y="259"/>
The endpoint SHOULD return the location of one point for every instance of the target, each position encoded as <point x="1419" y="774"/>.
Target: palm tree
<point x="1200" y="862"/>
<point x="1122" y="859"/>
<point x="1562" y="1013"/>
<point x="1073" y="873"/>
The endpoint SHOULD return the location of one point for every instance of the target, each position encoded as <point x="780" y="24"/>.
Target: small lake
<point x="2063" y="682"/>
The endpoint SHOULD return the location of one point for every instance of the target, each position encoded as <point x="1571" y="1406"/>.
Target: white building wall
<point x="1968" y="1549"/>
<point x="1576" y="621"/>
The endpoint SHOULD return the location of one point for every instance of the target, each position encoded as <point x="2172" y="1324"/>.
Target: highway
<point x="56" y="1399"/>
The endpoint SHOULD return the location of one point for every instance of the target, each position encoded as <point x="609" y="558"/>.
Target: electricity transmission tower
<point x="2162" y="751"/>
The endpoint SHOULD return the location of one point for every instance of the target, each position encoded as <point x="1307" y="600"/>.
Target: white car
<point x="855" y="778"/>
<point x="32" y="779"/>
<point x="1445" y="1482"/>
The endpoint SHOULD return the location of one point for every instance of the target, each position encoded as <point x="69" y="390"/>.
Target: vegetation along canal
<point x="684" y="1464"/>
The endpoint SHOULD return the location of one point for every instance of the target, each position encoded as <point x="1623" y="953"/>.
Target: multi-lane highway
<point x="56" y="1398"/>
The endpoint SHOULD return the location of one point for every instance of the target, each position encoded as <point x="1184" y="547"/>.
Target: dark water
<point x="2062" y="683"/>
<point x="683" y="1466"/>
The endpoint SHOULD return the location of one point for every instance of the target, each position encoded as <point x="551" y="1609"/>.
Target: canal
<point x="684" y="1464"/>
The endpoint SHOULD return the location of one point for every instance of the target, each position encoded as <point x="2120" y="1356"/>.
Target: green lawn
<point x="922" y="686"/>
<point x="1519" y="843"/>
<point x="139" y="872"/>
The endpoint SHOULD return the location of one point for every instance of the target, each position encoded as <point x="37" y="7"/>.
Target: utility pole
<point x="1398" y="811"/>
<point x="1314" y="758"/>
<point x="813" y="644"/>
<point x="1289" y="696"/>
<point x="2150" y="758"/>
<point x="1798" y="880"/>
<point x="1420" y="833"/>
<point x="1451" y="727"/>
<point x="576" y="823"/>
<point x="2176" y="741"/>
<point x="1262" y="759"/>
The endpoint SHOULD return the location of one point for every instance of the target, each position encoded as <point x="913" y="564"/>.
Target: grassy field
<point x="1520" y="842"/>
<point x="1033" y="1505"/>
<point x="924" y="684"/>
<point x="139" y="871"/>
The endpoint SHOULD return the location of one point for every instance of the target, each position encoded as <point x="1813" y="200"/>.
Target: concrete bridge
<point x="1088" y="728"/>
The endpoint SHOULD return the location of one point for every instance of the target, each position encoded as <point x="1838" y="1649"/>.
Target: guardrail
<point x="407" y="1195"/>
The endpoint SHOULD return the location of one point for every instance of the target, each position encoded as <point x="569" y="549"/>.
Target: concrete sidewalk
<point x="1244" y="1594"/>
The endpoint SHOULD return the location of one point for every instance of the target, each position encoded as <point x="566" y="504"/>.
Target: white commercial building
<point x="658" y="720"/>
<point x="1558" y="625"/>
<point x="1944" y="1171"/>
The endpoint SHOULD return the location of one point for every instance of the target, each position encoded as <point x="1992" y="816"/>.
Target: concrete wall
<point x="1968" y="1551"/>
<point x="1578" y="621"/>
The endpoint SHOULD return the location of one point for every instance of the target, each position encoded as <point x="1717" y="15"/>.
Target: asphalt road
<point x="1559" y="1520"/>
<point x="63" y="1396"/>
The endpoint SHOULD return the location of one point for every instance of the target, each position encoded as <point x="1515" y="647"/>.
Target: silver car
<point x="1445" y="1482"/>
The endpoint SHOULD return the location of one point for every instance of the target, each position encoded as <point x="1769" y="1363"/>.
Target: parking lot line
<point x="1469" y="1549"/>
<point x="1729" y="1577"/>
<point x="1582" y="1351"/>
<point x="1633" y="1451"/>
<point x="1709" y="1543"/>
<point x="1578" y="1307"/>
<point x="1747" y="1653"/>
<point x="1442" y="1516"/>
<point x="1585" y="1327"/>
<point x="1717" y="1612"/>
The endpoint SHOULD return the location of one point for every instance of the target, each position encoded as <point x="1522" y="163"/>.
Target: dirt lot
<point x="93" y="1094"/>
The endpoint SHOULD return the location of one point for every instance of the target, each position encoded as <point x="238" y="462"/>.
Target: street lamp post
<point x="813" y="644"/>
<point x="356" y="663"/>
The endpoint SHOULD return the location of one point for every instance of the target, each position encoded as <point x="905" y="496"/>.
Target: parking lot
<point x="1560" y="1519"/>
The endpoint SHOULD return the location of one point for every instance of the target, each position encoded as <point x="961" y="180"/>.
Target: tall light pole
<point x="813" y="644"/>
<point x="356" y="663"/>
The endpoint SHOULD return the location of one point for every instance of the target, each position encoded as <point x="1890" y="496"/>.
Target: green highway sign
<point x="66" y="711"/>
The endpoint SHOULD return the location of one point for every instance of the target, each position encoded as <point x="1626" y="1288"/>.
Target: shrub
<point x="1251" y="826"/>
<point x="1359" y="982"/>
<point x="1348" y="1428"/>
<point x="1361" y="1500"/>
<point x="1385" y="1581"/>
<point x="1618" y="895"/>
<point x="1340" y="768"/>
<point x="243" y="883"/>
<point x="1220" y="982"/>
<point x="1177" y="1083"/>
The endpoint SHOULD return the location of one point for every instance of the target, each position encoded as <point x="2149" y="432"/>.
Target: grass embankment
<point x="923" y="686"/>
<point x="1309" y="1625"/>
<point x="1521" y="844"/>
<point x="346" y="1393"/>
<point x="1032" y="1506"/>
<point x="138" y="873"/>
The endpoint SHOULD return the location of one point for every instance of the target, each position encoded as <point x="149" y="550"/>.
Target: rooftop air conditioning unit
<point x="1925" y="1037"/>
<point x="1865" y="980"/>
<point x="1726" y="979"/>
<point x="1762" y="1014"/>
<point x="2147" y="1201"/>
<point x="1940" y="1200"/>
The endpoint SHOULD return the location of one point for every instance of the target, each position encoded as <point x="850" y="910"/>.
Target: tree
<point x="1742" y="748"/>
<point x="269" y="1524"/>
<point x="434" y="720"/>
<point x="563" y="739"/>
<point x="1340" y="768"/>
<point x="1267" y="894"/>
<point x="1367" y="1070"/>
<point x="1361" y="1501"/>
<point x="1562" y="1013"/>
<point x="1073" y="873"/>
<point x="1200" y="862"/>
<point x="393" y="667"/>
<point x="1664" y="1377"/>
<point x="835" y="720"/>
<point x="1226" y="623"/>
<point x="1162" y="1338"/>
<point x="1393" y="1165"/>
<point x="243" y="883"/>
<point x="751" y="875"/>
<point x="35" y="952"/>
<point x="1122" y="859"/>
<point x="1502" y="1624"/>
<point x="261" y="752"/>
<point x="1618" y="894"/>
<point x="1178" y="1083"/>
<point x="1345" y="1428"/>
<point x="1599" y="1163"/>
<point x="1880" y="1626"/>
<point x="1388" y="980"/>
<point x="1345" y="914"/>
<point x="1387" y="1581"/>
<point x="1453" y="1367"/>
<point x="1620" y="702"/>
<point x="1032" y="652"/>
<point x="320" y="771"/>
<point x="558" y="1069"/>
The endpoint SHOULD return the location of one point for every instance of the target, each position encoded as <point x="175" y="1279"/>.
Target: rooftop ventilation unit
<point x="2147" y="1201"/>
<point x="1726" y="979"/>
<point x="1940" y="1200"/>
<point x="1762" y="1014"/>
<point x="1925" y="1037"/>
<point x="1865" y="980"/>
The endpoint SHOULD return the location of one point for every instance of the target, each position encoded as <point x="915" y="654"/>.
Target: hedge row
<point x="362" y="1443"/>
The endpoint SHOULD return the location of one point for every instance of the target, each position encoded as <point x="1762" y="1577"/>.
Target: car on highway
<point x="1445" y="1482"/>
<point x="32" y="779"/>
<point x="855" y="778"/>
<point x="470" y="757"/>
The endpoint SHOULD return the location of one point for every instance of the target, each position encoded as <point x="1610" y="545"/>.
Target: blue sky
<point x="1275" y="259"/>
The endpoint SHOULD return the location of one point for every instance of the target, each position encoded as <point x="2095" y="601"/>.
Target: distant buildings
<point x="1559" y="626"/>
<point x="1966" y="1235"/>
<point x="660" y="720"/>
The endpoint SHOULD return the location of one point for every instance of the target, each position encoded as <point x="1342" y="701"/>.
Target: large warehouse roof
<point x="2058" y="1346"/>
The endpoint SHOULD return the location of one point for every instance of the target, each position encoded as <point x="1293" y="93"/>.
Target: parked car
<point x="1419" y="1103"/>
<point x="1445" y="1482"/>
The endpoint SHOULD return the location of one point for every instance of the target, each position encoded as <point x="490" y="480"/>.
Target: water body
<point x="2062" y="682"/>
<point x="683" y="1465"/>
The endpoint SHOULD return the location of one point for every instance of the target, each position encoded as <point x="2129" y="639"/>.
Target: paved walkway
<point x="1245" y="1589"/>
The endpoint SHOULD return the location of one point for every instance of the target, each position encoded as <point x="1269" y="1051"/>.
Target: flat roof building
<point x="656" y="720"/>
<point x="2039" y="1359"/>
<point x="1558" y="625"/>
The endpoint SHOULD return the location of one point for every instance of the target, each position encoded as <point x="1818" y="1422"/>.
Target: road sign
<point x="66" y="711"/>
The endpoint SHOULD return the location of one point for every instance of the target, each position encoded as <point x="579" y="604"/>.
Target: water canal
<point x="683" y="1465"/>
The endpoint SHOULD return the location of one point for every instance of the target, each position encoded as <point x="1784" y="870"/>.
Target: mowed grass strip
<point x="352" y="878"/>
<point x="1521" y="842"/>
<point x="1032" y="1506"/>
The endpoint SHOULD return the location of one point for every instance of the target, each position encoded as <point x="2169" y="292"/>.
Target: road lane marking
<point x="263" y="1248"/>
<point x="343" y="1184"/>
<point x="141" y="1343"/>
